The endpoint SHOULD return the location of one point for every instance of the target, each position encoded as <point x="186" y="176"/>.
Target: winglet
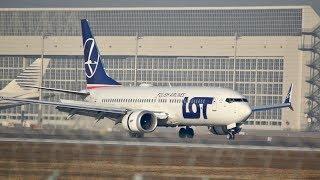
<point x="286" y="103"/>
<point x="288" y="97"/>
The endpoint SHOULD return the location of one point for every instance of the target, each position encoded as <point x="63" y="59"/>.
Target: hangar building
<point x="180" y="46"/>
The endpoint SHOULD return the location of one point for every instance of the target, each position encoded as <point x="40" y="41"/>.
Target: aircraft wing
<point x="6" y="104"/>
<point x="82" y="93"/>
<point x="267" y="107"/>
<point x="77" y="107"/>
<point x="286" y="103"/>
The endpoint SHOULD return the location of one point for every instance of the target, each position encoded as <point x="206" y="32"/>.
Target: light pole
<point x="137" y="37"/>
<point x="23" y="107"/>
<point x="43" y="37"/>
<point x="236" y="37"/>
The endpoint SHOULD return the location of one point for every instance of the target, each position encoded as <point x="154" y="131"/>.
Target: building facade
<point x="175" y="46"/>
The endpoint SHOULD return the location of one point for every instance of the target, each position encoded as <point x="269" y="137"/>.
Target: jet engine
<point x="140" y="121"/>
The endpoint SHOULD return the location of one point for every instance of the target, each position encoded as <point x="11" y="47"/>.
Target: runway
<point x="81" y="154"/>
<point x="159" y="144"/>
<point x="259" y="138"/>
<point x="72" y="160"/>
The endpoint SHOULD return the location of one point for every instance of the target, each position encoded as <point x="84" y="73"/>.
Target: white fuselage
<point x="194" y="106"/>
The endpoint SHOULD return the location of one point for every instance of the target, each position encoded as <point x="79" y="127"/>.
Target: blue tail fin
<point x="95" y="73"/>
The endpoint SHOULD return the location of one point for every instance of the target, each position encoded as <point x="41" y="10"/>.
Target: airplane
<point x="30" y="76"/>
<point x="141" y="110"/>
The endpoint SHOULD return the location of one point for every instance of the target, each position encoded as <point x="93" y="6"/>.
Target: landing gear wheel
<point x="136" y="135"/>
<point x="186" y="132"/>
<point x="190" y="132"/>
<point x="230" y="136"/>
<point x="182" y="133"/>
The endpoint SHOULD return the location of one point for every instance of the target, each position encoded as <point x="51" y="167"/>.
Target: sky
<point x="153" y="3"/>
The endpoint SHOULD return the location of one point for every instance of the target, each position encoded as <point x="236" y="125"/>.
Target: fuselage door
<point x="215" y="104"/>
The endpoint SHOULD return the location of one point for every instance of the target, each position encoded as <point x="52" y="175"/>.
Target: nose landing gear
<point x="230" y="135"/>
<point x="186" y="132"/>
<point x="232" y="132"/>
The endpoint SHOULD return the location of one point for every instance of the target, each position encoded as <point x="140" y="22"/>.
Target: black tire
<point x="230" y="136"/>
<point x="190" y="133"/>
<point x="233" y="136"/>
<point x="237" y="129"/>
<point x="182" y="133"/>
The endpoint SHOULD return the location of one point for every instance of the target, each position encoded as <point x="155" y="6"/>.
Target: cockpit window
<point x="231" y="100"/>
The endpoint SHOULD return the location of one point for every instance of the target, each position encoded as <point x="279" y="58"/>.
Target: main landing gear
<point x="186" y="132"/>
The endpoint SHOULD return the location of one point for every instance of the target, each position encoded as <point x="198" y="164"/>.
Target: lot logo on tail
<point x="188" y="112"/>
<point x="96" y="75"/>
<point x="92" y="57"/>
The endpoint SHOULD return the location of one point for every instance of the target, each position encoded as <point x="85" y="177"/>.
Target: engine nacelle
<point x="219" y="130"/>
<point x="141" y="121"/>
